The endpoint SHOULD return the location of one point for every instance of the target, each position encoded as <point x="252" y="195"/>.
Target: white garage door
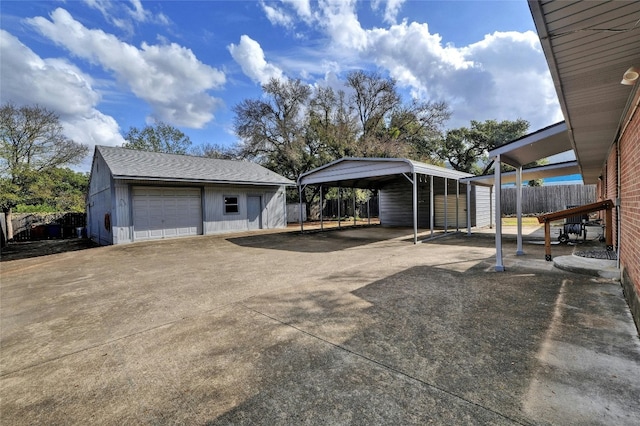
<point x="166" y="213"/>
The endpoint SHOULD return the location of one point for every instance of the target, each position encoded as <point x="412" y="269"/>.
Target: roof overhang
<point x="588" y="46"/>
<point x="535" y="146"/>
<point x="182" y="182"/>
<point x="540" y="172"/>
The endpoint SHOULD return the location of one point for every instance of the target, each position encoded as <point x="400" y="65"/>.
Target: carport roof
<point x="535" y="146"/>
<point x="546" y="171"/>
<point x="372" y="173"/>
<point x="133" y="164"/>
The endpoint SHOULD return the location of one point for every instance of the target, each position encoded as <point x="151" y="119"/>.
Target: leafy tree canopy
<point x="32" y="144"/>
<point x="160" y="137"/>
<point x="466" y="148"/>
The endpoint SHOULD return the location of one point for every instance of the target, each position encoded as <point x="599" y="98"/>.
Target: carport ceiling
<point x="589" y="45"/>
<point x="372" y="173"/>
<point x="535" y="146"/>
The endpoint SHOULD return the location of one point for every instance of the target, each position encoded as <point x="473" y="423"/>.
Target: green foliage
<point x="54" y="190"/>
<point x="160" y="137"/>
<point x="467" y="148"/>
<point x="32" y="150"/>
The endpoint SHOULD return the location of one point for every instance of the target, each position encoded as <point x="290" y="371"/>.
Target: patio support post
<point x="519" y="250"/>
<point x="431" y="206"/>
<point x="415" y="208"/>
<point x="369" y="209"/>
<point x="469" y="208"/>
<point x="498" y="185"/>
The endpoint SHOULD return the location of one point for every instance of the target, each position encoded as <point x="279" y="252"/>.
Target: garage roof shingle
<point x="134" y="164"/>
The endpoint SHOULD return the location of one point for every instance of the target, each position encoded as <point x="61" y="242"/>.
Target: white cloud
<point x="391" y="9"/>
<point x="277" y="16"/>
<point x="169" y="77"/>
<point x="249" y="55"/>
<point x="503" y="76"/>
<point x="58" y="86"/>
<point x="123" y="17"/>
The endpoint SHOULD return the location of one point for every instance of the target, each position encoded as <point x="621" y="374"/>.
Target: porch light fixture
<point x="630" y="76"/>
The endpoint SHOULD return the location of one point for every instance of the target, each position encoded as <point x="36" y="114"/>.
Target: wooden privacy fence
<point x="42" y="226"/>
<point x="545" y="199"/>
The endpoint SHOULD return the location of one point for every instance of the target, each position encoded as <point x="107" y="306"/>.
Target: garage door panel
<point x="166" y="212"/>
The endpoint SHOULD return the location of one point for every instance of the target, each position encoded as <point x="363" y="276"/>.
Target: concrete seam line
<point x="388" y="367"/>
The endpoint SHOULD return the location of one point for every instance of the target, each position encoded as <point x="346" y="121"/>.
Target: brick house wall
<point x="629" y="146"/>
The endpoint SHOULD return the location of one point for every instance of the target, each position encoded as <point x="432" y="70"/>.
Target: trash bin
<point x="54" y="231"/>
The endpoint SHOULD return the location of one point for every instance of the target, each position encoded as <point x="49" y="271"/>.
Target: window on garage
<point x="231" y="204"/>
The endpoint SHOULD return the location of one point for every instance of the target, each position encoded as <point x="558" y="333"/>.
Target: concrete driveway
<point x="343" y="327"/>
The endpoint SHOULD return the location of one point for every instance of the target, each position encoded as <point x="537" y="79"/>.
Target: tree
<point x="466" y="148"/>
<point x="32" y="142"/>
<point x="160" y="137"/>
<point x="272" y="128"/>
<point x="216" y="151"/>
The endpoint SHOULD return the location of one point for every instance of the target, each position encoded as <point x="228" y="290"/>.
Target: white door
<point x="166" y="212"/>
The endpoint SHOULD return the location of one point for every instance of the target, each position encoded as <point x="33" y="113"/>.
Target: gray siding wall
<point x="216" y="221"/>
<point x="99" y="202"/>
<point x="396" y="203"/>
<point x="122" y="222"/>
<point x="451" y="202"/>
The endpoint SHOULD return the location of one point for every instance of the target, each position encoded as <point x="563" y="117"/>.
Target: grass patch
<point x="526" y="221"/>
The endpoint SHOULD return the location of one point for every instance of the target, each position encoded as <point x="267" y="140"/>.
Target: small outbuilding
<point x="137" y="195"/>
<point x="411" y="193"/>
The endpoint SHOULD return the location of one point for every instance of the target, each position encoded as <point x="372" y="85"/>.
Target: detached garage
<point x="137" y="196"/>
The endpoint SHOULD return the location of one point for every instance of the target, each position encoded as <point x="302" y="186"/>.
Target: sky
<point x="106" y="66"/>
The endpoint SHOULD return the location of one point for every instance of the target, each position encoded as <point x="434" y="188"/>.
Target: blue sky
<point x="105" y="66"/>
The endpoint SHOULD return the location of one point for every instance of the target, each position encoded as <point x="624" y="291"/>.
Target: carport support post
<point x="446" y="201"/>
<point x="321" y="208"/>
<point x="339" y="202"/>
<point x="300" y="189"/>
<point x="498" y="185"/>
<point x="353" y="192"/>
<point x="469" y="208"/>
<point x="415" y="208"/>
<point x="519" y="250"/>
<point x="457" y="205"/>
<point x="431" y="206"/>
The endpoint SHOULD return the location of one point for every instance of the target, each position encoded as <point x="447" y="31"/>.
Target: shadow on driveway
<point x="29" y="249"/>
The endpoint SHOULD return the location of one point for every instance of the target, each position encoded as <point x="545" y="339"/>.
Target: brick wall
<point x="630" y="213"/>
<point x="611" y="186"/>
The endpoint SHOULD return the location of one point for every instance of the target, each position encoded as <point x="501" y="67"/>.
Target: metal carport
<point x="375" y="173"/>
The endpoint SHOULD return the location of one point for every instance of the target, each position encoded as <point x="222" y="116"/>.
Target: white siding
<point x="482" y="206"/>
